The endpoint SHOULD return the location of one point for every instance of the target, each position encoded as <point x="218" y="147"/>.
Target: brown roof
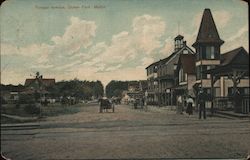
<point x="234" y="59"/>
<point x="208" y="32"/>
<point x="230" y="56"/>
<point x="187" y="61"/>
<point x="44" y="81"/>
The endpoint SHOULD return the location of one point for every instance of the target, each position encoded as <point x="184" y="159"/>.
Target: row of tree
<point x="74" y="88"/>
<point x="115" y="88"/>
<point x="77" y="88"/>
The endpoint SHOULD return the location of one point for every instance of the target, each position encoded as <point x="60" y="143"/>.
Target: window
<point x="208" y="75"/>
<point x="200" y="75"/>
<point x="185" y="51"/>
<point x="182" y="76"/>
<point x="175" y="66"/>
<point x="217" y="92"/>
<point x="210" y="52"/>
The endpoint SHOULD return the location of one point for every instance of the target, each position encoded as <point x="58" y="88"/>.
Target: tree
<point x="115" y="88"/>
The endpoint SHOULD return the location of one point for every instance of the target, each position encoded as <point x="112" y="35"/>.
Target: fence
<point x="227" y="104"/>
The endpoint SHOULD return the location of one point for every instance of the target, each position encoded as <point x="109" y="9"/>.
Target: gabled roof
<point x="208" y="32"/>
<point x="230" y="56"/>
<point x="187" y="61"/>
<point x="165" y="60"/>
<point x="234" y="59"/>
<point x="46" y="82"/>
<point x="153" y="64"/>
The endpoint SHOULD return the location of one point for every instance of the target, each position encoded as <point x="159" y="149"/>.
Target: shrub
<point x="26" y="99"/>
<point x="17" y="106"/>
<point x="3" y="101"/>
<point x="32" y="109"/>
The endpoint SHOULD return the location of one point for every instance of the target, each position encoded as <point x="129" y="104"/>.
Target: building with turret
<point x="184" y="72"/>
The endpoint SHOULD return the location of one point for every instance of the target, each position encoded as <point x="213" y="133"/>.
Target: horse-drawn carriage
<point x="106" y="104"/>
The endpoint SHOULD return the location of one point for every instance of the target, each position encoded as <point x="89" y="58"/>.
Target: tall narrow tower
<point x="178" y="42"/>
<point x="207" y="46"/>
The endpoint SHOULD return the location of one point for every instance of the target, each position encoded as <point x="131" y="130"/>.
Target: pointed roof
<point x="178" y="37"/>
<point x="187" y="61"/>
<point x="208" y="32"/>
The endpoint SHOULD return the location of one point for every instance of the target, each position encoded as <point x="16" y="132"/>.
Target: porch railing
<point x="227" y="103"/>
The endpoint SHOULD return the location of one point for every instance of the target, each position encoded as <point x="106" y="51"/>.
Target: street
<point x="126" y="134"/>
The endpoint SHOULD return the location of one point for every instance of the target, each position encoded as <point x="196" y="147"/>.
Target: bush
<point x="17" y="106"/>
<point x="32" y="109"/>
<point x="3" y="101"/>
<point x="26" y="99"/>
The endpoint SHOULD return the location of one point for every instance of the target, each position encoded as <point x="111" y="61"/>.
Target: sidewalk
<point x="233" y="114"/>
<point x="18" y="117"/>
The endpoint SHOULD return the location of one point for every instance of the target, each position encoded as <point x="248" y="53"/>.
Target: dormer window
<point x="185" y="51"/>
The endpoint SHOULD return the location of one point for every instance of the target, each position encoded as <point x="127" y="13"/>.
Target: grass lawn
<point x="50" y="110"/>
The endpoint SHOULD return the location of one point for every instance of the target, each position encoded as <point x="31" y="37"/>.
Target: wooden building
<point x="160" y="75"/>
<point x="184" y="72"/>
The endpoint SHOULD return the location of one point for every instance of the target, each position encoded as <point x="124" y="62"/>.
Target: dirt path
<point x="128" y="134"/>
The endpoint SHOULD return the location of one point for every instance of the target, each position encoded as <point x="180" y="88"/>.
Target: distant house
<point x="38" y="84"/>
<point x="137" y="89"/>
<point x="34" y="82"/>
<point x="10" y="93"/>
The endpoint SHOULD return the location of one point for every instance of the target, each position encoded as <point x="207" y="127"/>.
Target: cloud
<point x="78" y="34"/>
<point x="221" y="18"/>
<point x="147" y="61"/>
<point x="14" y="76"/>
<point x="241" y="32"/>
<point x="129" y="46"/>
<point x="121" y="74"/>
<point x="168" y="46"/>
<point x="148" y="30"/>
<point x="27" y="51"/>
<point x="240" y="38"/>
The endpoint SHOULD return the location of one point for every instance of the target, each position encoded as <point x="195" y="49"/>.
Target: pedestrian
<point x="237" y="101"/>
<point x="190" y="103"/>
<point x="201" y="102"/>
<point x="179" y="105"/>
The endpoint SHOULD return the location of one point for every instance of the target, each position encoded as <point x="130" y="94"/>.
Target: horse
<point x="105" y="104"/>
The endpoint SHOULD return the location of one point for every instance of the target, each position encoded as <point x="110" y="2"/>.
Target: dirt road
<point x="127" y="134"/>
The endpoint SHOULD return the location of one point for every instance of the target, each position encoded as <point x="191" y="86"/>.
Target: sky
<point x="106" y="39"/>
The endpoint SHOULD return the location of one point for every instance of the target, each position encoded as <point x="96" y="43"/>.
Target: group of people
<point x="189" y="103"/>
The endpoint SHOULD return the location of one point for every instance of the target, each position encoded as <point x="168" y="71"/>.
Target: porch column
<point x="212" y="94"/>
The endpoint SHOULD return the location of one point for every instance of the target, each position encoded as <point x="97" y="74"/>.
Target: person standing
<point x="190" y="103"/>
<point x="201" y="102"/>
<point x="179" y="105"/>
<point x="237" y="101"/>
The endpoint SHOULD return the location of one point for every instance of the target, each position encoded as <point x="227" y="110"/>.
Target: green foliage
<point x="26" y="99"/>
<point x="31" y="109"/>
<point x="3" y="101"/>
<point x="11" y="87"/>
<point x="78" y="89"/>
<point x="115" y="88"/>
